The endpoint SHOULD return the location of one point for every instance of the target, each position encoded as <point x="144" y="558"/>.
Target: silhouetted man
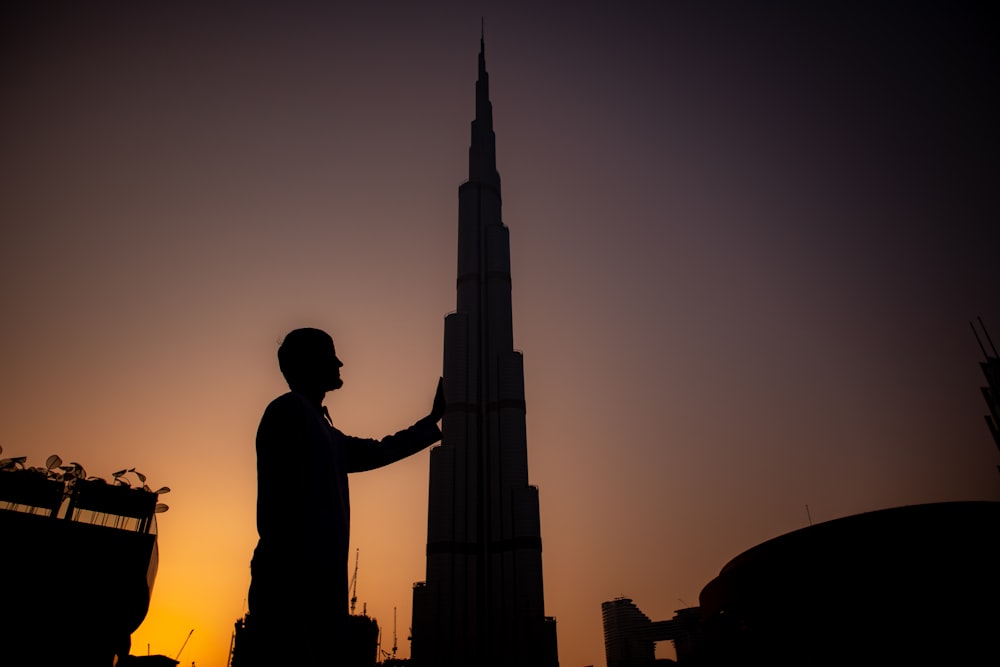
<point x="298" y="589"/>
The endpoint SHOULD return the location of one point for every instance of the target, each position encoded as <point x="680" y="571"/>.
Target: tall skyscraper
<point x="482" y="600"/>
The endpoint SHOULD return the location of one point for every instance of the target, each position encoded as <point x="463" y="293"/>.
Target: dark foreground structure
<point x="914" y="585"/>
<point x="360" y="647"/>
<point x="79" y="559"/>
<point x="903" y="586"/>
<point x="482" y="601"/>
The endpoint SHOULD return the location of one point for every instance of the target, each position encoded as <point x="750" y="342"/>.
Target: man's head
<point x="309" y="361"/>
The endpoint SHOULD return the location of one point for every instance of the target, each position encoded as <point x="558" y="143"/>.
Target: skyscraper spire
<point x="482" y="602"/>
<point x="482" y="148"/>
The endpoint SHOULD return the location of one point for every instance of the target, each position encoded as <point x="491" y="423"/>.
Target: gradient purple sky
<point x="746" y="246"/>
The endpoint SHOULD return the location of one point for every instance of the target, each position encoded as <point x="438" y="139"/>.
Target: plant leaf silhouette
<point x="12" y="463"/>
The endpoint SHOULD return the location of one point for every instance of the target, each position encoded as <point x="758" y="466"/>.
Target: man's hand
<point x="437" y="410"/>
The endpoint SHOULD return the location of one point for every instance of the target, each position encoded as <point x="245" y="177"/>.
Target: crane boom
<point x="178" y="656"/>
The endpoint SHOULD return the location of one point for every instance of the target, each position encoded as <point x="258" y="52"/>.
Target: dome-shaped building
<point x="914" y="585"/>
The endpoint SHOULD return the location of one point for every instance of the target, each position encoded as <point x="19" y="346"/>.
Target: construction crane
<point x="354" y="582"/>
<point x="385" y="654"/>
<point x="394" y="633"/>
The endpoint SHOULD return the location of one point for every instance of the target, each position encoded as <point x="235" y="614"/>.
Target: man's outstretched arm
<point x="368" y="454"/>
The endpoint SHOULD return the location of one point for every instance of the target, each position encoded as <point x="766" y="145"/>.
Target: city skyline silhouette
<point x="748" y="245"/>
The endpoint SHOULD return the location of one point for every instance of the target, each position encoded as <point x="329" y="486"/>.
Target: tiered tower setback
<point x="482" y="601"/>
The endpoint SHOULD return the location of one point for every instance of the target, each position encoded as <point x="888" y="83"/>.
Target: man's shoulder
<point x="289" y="397"/>
<point x="281" y="419"/>
<point x="287" y="403"/>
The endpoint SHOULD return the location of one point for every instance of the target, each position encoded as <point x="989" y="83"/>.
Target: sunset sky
<point x="747" y="242"/>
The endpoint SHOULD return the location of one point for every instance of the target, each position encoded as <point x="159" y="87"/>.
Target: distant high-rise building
<point x="482" y="600"/>
<point x="630" y="636"/>
<point x="627" y="640"/>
